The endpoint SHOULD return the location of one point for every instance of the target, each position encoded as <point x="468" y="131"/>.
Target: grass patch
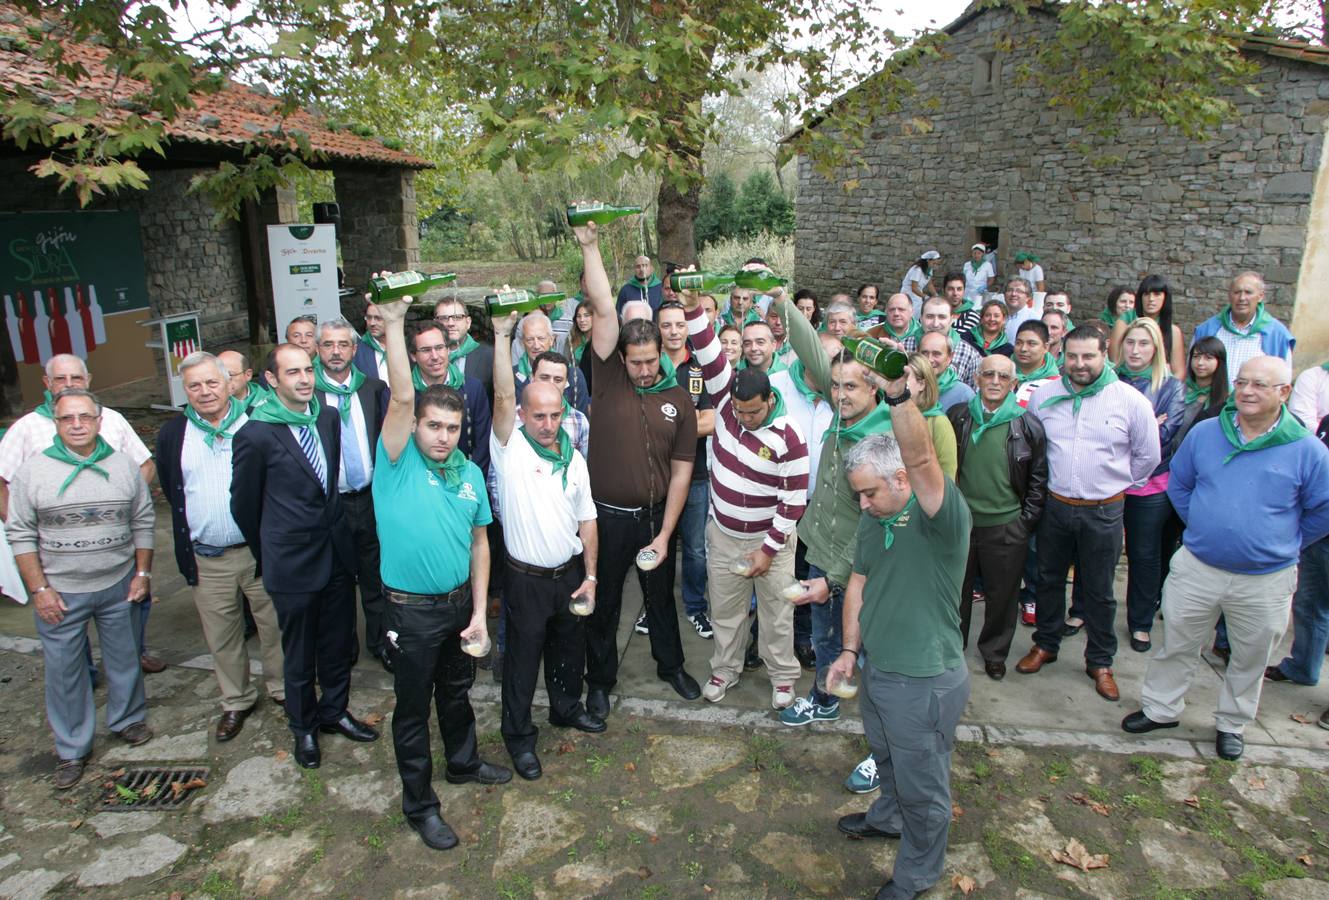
<point x="219" y="887"/>
<point x="599" y="763"/>
<point x="1098" y="793"/>
<point x="764" y="753"/>
<point x="982" y="770"/>
<point x="1057" y="769"/>
<point x="516" y="887"/>
<point x="1264" y="867"/>
<point x="1147" y="770"/>
<point x="1008" y="858"/>
<point x="314" y="787"/>
<point x="1150" y="806"/>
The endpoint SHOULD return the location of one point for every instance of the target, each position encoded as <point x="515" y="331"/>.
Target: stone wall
<point x="379" y="227"/>
<point x="189" y="262"/>
<point x="1195" y="212"/>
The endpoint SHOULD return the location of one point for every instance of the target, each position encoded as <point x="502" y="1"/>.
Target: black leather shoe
<point x="1069" y="630"/>
<point x="582" y="721"/>
<point x="1273" y="673"/>
<point x="684" y="685"/>
<point x="232" y="720"/>
<point x="752" y="661"/>
<point x="856" y="826"/>
<point x="597" y="702"/>
<point x="434" y="832"/>
<point x="487" y="773"/>
<point x="807" y="658"/>
<point x="1229" y="745"/>
<point x="1140" y="646"/>
<point x="349" y="726"/>
<point x="527" y="765"/>
<point x="307" y="754"/>
<point x="892" y="891"/>
<point x="388" y="667"/>
<point x="995" y="670"/>
<point x="1138" y="723"/>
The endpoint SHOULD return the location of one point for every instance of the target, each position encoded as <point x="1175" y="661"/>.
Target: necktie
<point x="350" y="455"/>
<point x="309" y="444"/>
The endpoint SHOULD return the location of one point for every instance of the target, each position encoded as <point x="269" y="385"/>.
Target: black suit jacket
<point x="170" y="472"/>
<point x="294" y="526"/>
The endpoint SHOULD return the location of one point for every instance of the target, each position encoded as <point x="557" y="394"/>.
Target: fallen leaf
<point x="373" y="719"/>
<point x="1302" y="718"/>
<point x="1054" y="778"/>
<point x="177" y="895"/>
<point x="629" y="767"/>
<point x="1083" y="800"/>
<point x="151" y="790"/>
<point x="643" y="873"/>
<point x="992" y="754"/>
<point x="1077" y="855"/>
<point x="75" y="825"/>
<point x="956" y="812"/>
<point x="179" y="787"/>
<point x="118" y="773"/>
<point x="1257" y="784"/>
<point x="565" y="747"/>
<point x="1306" y="860"/>
<point x="655" y="839"/>
<point x="964" y="884"/>
<point x="708" y="889"/>
<point x="1192" y="801"/>
<point x="282" y="756"/>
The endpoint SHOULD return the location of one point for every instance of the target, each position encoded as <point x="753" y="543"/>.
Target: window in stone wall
<point x="987" y="72"/>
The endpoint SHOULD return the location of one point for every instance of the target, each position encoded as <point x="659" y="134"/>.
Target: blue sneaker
<point x="804" y="712"/>
<point x="864" y="778"/>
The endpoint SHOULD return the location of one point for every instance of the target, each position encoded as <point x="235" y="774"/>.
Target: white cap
<point x="930" y="254"/>
<point x="982" y="247"/>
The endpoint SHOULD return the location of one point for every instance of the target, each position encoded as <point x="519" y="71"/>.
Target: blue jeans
<point x="692" y="539"/>
<point x="1146" y="518"/>
<point x="827" y="636"/>
<point x="1310" y="615"/>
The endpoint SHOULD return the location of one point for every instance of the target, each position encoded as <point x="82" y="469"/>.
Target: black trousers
<point x="622" y="534"/>
<point x="317" y="634"/>
<point x="539" y="623"/>
<point x="430" y="668"/>
<point x="1089" y="538"/>
<point x="996" y="554"/>
<point x="359" y="510"/>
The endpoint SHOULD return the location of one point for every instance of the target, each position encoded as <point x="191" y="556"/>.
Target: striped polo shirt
<point x="759" y="479"/>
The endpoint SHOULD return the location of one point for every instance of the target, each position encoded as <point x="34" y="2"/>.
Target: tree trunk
<point x="678" y="209"/>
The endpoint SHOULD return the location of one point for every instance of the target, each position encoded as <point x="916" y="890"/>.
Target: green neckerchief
<point x="875" y="422"/>
<point x="870" y="314"/>
<point x="59" y="451"/>
<point x="644" y="285"/>
<point x="454" y="380"/>
<point x="466" y="346"/>
<point x="798" y="375"/>
<point x="1047" y="370"/>
<point x="946" y="380"/>
<point x="1070" y="326"/>
<point x="578" y="351"/>
<point x="915" y="330"/>
<point x="275" y="412"/>
<point x="1258" y="324"/>
<point x="777" y="365"/>
<point x="261" y="394"/>
<point x="1106" y="377"/>
<point x="668" y="378"/>
<point x="344" y="392"/>
<point x="374" y="344"/>
<point x="890" y="522"/>
<point x="965" y="306"/>
<point x="1125" y="371"/>
<point x="934" y="410"/>
<point x="47" y="409"/>
<point x="450" y="468"/>
<point x="751" y="316"/>
<point x="777" y="410"/>
<point x="560" y="458"/>
<point x="986" y="346"/>
<point x="524" y="367"/>
<point x="234" y="410"/>
<point x="1111" y="318"/>
<point x="975" y="266"/>
<point x="1195" y="392"/>
<point x="1286" y="431"/>
<point x="983" y="420"/>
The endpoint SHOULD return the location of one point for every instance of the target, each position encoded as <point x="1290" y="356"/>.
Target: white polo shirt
<point x="540" y="515"/>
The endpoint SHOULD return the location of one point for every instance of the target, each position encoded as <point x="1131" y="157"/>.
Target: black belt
<point x="406" y="598"/>
<point x="540" y="571"/>
<point x="212" y="550"/>
<point x="363" y="490"/>
<point x="636" y="513"/>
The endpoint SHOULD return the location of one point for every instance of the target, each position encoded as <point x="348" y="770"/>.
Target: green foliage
<point x="716" y="215"/>
<point x="729" y="254"/>
<point x="762" y="207"/>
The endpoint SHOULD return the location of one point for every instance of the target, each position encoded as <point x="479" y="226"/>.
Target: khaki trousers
<point x="221" y="579"/>
<point x="730" y="597"/>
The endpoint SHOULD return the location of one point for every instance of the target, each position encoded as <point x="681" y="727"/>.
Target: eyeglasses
<point x="999" y="376"/>
<point x="451" y="317"/>
<point x="1260" y="386"/>
<point x="81" y="418"/>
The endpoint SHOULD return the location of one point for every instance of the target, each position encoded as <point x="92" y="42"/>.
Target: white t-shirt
<point x="541" y="516"/>
<point x="976" y="283"/>
<point x="33" y="433"/>
<point x="906" y="287"/>
<point x="1033" y="276"/>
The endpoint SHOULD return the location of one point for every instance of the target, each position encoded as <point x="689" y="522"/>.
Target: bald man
<point x="1245" y="328"/>
<point x="644" y="285"/>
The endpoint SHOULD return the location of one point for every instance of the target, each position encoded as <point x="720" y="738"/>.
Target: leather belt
<point x="634" y="512"/>
<point x="406" y="598"/>
<point x="540" y="571"/>
<point x="363" y="490"/>
<point x="1075" y="501"/>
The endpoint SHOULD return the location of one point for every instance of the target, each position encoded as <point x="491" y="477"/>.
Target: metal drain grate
<point x="152" y="788"/>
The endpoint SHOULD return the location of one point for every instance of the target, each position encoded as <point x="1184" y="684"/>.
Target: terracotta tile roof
<point x="1315" y="54"/>
<point x="230" y="118"/>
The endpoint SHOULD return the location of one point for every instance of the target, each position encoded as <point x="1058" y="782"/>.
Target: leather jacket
<point x="1026" y="459"/>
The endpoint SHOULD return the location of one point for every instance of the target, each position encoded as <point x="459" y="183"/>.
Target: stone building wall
<point x="189" y="262"/>
<point x="1195" y="212"/>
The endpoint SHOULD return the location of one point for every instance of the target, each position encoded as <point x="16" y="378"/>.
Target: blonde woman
<point x="923" y="386"/>
<point x="1144" y="367"/>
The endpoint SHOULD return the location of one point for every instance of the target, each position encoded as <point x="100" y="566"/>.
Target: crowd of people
<point x="822" y="516"/>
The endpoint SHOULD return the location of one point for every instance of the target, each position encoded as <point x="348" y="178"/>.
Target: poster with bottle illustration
<point x="73" y="282"/>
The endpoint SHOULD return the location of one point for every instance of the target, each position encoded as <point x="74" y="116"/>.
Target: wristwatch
<point x="143" y="575"/>
<point x="896" y="401"/>
<point x="592" y="579"/>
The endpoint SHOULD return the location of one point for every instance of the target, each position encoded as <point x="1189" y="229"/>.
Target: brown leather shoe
<point x="1034" y="660"/>
<point x="232" y="720"/>
<point x="151" y="664"/>
<point x="1104" y="683"/>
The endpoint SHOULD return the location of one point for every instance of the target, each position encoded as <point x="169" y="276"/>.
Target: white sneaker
<point x="782" y="696"/>
<point x="715" y="689"/>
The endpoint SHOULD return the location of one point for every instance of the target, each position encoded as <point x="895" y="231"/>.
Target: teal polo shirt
<point x="424" y="526"/>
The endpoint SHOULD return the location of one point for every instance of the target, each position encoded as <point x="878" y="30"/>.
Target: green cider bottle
<point x="396" y="285"/>
<point x="519" y="300"/>
<point x="701" y="281"/>
<point x="884" y="361"/>
<point x="599" y="213"/>
<point x="759" y="279"/>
